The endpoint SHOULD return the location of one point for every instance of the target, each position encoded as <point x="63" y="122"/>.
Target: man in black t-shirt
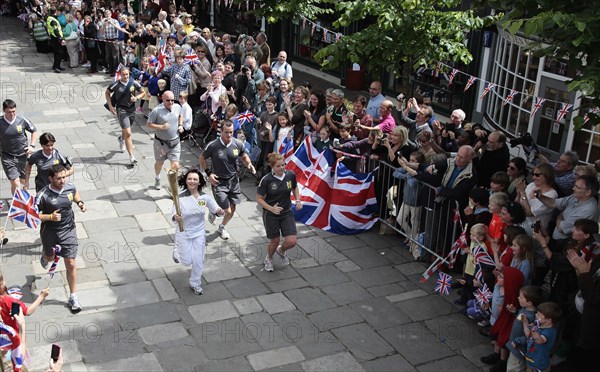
<point x="224" y="153"/>
<point x="14" y="145"/>
<point x="120" y="98"/>
<point x="58" y="226"/>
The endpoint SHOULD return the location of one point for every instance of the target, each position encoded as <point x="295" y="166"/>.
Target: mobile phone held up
<point x="15" y="309"/>
<point x="55" y="352"/>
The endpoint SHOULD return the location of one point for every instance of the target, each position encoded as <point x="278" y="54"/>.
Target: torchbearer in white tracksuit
<point x="190" y="244"/>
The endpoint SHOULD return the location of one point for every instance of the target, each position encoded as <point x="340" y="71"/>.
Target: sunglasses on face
<point x="169" y="100"/>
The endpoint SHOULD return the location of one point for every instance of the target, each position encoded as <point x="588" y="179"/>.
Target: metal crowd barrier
<point x="429" y="226"/>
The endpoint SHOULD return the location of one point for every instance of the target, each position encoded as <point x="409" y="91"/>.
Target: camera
<point x="336" y="142"/>
<point x="536" y="226"/>
<point x="245" y="69"/>
<point x="382" y="139"/>
<point x="524" y="140"/>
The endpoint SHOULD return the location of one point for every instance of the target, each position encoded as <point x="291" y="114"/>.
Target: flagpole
<point x="6" y="223"/>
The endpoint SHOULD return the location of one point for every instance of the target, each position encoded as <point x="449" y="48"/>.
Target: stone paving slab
<point x="341" y="362"/>
<point x="346" y="293"/>
<point x="335" y="318"/>
<point x="391" y="363"/>
<point x="225" y="339"/>
<point x="275" y="303"/>
<point x="416" y="343"/>
<point x="180" y="357"/>
<point x="260" y="327"/>
<point x="309" y="300"/>
<point x="364" y="343"/>
<point x="456" y="363"/>
<point x="323" y="275"/>
<point x="376" y="276"/>
<point x="159" y="333"/>
<point x="274" y="358"/>
<point x="212" y="312"/>
<point x="247" y="306"/>
<point x="380" y="313"/>
<point x="143" y="362"/>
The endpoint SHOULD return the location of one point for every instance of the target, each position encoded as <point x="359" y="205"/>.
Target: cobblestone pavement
<point x="345" y="303"/>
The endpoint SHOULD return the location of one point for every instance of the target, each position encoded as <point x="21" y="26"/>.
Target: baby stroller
<point x="204" y="125"/>
<point x="254" y="156"/>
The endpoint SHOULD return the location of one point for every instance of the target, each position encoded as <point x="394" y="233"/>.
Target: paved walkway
<point x="345" y="303"/>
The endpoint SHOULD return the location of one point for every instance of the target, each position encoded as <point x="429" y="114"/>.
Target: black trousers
<point x="58" y="52"/>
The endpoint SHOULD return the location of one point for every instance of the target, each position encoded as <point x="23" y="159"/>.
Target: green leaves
<point x="562" y="29"/>
<point x="397" y="31"/>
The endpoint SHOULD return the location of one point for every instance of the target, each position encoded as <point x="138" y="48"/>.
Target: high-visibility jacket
<point x="53" y="27"/>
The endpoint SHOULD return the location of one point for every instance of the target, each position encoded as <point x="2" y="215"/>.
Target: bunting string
<point x="536" y="102"/>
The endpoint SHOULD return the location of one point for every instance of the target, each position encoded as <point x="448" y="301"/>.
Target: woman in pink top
<point x="214" y="91"/>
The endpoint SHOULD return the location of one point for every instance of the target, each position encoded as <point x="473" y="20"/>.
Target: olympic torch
<point x="172" y="177"/>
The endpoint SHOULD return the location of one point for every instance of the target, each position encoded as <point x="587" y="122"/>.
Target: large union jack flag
<point x="162" y="58"/>
<point x="24" y="209"/>
<point x="334" y="199"/>
<point x="443" y="284"/>
<point x="10" y="340"/>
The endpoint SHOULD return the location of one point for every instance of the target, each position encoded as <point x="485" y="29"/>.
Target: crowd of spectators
<point x="539" y="227"/>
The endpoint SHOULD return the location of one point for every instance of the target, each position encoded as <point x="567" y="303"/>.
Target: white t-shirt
<point x="539" y="210"/>
<point x="193" y="211"/>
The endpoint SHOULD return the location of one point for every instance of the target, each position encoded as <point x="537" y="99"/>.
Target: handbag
<point x="113" y="98"/>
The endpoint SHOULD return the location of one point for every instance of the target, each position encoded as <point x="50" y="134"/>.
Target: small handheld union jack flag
<point x="24" y="209"/>
<point x="483" y="295"/>
<point x="470" y="82"/>
<point x="443" y="284"/>
<point x="191" y="58"/>
<point x="52" y="269"/>
<point x="536" y="104"/>
<point x="586" y="117"/>
<point x="287" y="148"/>
<point x="246" y="117"/>
<point x="564" y="110"/>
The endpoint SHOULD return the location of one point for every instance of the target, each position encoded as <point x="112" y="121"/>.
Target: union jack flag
<point x="24" y="209"/>
<point x="459" y="245"/>
<point x="52" y="269"/>
<point x="191" y="58"/>
<point x="334" y="199"/>
<point x="536" y="104"/>
<point x="470" y="82"/>
<point x="452" y="75"/>
<point x="486" y="90"/>
<point x="246" y="117"/>
<point x="483" y="295"/>
<point x="510" y="97"/>
<point x="118" y="72"/>
<point x="564" y="110"/>
<point x="286" y="148"/>
<point x="162" y="58"/>
<point x="481" y="256"/>
<point x="443" y="283"/>
<point x="432" y="269"/>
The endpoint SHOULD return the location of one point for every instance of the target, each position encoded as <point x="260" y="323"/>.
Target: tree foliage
<point x="567" y="29"/>
<point x="416" y="31"/>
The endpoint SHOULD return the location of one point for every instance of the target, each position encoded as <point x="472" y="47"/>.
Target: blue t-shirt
<point x="518" y="336"/>
<point x="497" y="303"/>
<point x="538" y="355"/>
